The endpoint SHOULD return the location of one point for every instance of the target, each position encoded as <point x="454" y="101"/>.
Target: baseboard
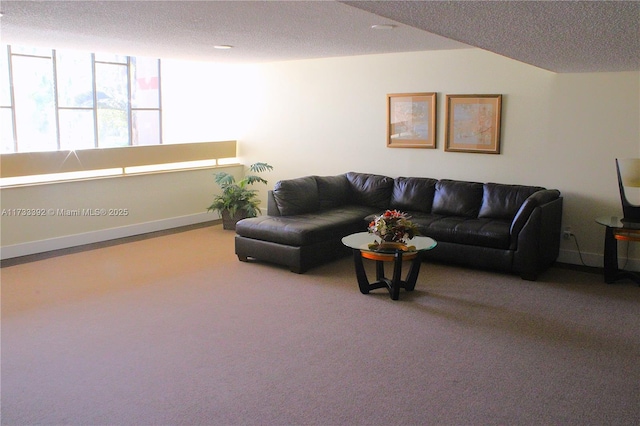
<point x="68" y="241"/>
<point x="571" y="257"/>
<point x="596" y="260"/>
<point x="574" y="257"/>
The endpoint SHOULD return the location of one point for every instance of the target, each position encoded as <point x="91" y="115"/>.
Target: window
<point x="57" y="100"/>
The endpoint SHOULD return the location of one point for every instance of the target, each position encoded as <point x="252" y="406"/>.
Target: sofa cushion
<point x="370" y="190"/>
<point x="296" y="196"/>
<point x="457" y="198"/>
<point x="484" y="232"/>
<point x="333" y="191"/>
<point x="413" y="194"/>
<point x="305" y="229"/>
<point x="501" y="201"/>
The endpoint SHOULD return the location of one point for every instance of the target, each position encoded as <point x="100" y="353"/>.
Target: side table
<point x="360" y="241"/>
<point x="616" y="229"/>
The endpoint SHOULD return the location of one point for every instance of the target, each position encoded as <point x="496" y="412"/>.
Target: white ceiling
<point x="561" y="36"/>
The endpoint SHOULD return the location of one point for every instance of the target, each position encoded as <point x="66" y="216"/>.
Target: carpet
<point x="174" y="330"/>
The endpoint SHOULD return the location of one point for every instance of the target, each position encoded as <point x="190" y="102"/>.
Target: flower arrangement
<point x="393" y="226"/>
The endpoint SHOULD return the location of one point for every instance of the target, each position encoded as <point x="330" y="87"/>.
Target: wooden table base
<point x="394" y="284"/>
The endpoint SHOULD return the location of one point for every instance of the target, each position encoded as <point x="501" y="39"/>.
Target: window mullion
<point x="95" y="100"/>
<point x="56" y="104"/>
<point x="160" y="100"/>
<point x="130" y="101"/>
<point x="13" y="99"/>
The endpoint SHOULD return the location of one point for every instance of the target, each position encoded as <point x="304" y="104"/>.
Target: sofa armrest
<point x="272" y="206"/>
<point x="536" y="199"/>
<point x="538" y="242"/>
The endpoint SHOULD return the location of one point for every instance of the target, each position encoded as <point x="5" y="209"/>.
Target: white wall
<point x="328" y="116"/>
<point x="88" y="211"/>
<point x="559" y="130"/>
<point x="206" y="101"/>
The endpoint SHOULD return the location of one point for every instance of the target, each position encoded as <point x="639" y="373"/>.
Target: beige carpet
<point x="174" y="330"/>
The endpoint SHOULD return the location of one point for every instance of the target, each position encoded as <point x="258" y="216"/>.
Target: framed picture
<point x="411" y="120"/>
<point x="473" y="123"/>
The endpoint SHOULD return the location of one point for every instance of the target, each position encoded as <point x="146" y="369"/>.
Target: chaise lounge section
<point x="503" y="227"/>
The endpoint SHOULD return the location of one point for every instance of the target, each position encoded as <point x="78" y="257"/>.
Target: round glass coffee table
<point x="360" y="242"/>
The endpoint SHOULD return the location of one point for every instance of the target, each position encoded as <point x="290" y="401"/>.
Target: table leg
<point x="412" y="276"/>
<point x="396" y="281"/>
<point x="379" y="270"/>
<point x="610" y="256"/>
<point x="361" y="275"/>
<point x="612" y="272"/>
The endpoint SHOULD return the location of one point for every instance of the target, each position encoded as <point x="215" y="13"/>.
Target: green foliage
<point x="237" y="196"/>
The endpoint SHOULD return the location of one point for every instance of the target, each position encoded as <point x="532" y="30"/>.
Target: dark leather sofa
<point x="509" y="228"/>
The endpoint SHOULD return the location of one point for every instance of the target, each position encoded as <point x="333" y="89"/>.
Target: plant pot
<point x="229" y="222"/>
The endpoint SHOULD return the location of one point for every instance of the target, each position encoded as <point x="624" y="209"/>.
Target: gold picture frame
<point x="473" y="123"/>
<point x="411" y="120"/>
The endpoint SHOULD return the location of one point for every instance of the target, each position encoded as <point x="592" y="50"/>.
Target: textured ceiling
<point x="561" y="36"/>
<point x="260" y="31"/>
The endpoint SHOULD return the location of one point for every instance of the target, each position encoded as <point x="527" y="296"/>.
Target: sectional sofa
<point x="503" y="227"/>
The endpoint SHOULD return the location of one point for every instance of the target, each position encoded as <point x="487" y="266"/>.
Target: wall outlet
<point x="566" y="233"/>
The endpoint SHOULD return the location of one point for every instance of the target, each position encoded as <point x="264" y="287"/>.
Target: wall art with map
<point x="411" y="120"/>
<point x="473" y="123"/>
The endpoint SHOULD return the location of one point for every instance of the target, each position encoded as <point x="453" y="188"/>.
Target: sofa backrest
<point x="500" y="201"/>
<point x="311" y="193"/>
<point x="333" y="191"/>
<point x="413" y="194"/>
<point x="444" y="197"/>
<point x="370" y="190"/>
<point x="457" y="198"/>
<point x="296" y="196"/>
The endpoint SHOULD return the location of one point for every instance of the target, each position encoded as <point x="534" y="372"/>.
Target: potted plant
<point x="238" y="200"/>
<point x="394" y="229"/>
